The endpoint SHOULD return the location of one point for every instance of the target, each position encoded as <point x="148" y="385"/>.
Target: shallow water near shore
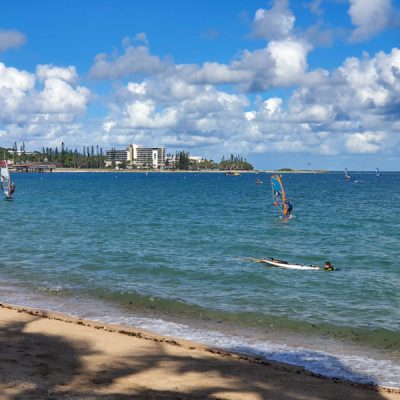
<point x="167" y="252"/>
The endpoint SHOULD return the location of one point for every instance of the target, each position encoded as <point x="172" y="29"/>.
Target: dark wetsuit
<point x="289" y="209"/>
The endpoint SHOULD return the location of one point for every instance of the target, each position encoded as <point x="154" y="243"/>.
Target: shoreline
<point x="317" y="353"/>
<point x="182" y="369"/>
<point x="138" y="171"/>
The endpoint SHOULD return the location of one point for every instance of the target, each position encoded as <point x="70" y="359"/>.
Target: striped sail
<point x="278" y="194"/>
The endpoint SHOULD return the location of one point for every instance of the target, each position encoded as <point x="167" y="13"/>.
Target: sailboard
<point x="273" y="262"/>
<point x="378" y="173"/>
<point x="279" y="198"/>
<point x="5" y="180"/>
<point x="346" y="175"/>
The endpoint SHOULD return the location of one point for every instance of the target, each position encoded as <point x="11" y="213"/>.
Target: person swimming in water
<point x="328" y="266"/>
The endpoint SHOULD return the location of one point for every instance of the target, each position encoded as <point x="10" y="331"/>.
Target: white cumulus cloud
<point x="58" y="96"/>
<point x="43" y="107"/>
<point x="134" y="60"/>
<point x="275" y="23"/>
<point x="369" y="17"/>
<point x="15" y="86"/>
<point x="365" y="142"/>
<point x="342" y="111"/>
<point x="68" y="74"/>
<point x="290" y="59"/>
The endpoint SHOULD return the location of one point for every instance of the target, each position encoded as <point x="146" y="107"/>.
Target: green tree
<point x="235" y="163"/>
<point x="182" y="160"/>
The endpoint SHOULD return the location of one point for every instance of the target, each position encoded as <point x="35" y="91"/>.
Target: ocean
<point x="168" y="252"/>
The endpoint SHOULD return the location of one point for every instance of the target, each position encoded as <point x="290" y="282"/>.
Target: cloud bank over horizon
<point x="265" y="99"/>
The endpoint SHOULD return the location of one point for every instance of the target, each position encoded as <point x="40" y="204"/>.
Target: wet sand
<point x="53" y="356"/>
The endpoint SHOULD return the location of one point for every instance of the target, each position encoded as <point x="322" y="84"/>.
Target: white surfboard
<point x="272" y="262"/>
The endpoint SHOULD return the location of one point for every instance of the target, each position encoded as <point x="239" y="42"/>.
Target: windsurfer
<point x="289" y="208"/>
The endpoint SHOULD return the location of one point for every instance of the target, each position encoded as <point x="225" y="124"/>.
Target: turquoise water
<point x="168" y="252"/>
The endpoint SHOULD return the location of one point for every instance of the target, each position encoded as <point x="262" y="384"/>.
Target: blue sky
<point x="313" y="83"/>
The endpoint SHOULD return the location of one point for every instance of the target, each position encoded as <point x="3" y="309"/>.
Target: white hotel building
<point x="139" y="157"/>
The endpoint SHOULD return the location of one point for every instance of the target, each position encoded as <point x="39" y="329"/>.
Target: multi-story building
<point x="146" y="157"/>
<point x="19" y="152"/>
<point x="117" y="155"/>
<point x="194" y="161"/>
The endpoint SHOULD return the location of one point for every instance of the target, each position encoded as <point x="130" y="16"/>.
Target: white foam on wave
<point x="339" y="362"/>
<point x="353" y="367"/>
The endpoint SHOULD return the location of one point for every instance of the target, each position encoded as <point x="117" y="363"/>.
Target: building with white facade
<point x="146" y="157"/>
<point x="194" y="160"/>
<point x="19" y="152"/>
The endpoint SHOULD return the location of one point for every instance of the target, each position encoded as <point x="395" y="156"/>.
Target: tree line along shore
<point x="93" y="157"/>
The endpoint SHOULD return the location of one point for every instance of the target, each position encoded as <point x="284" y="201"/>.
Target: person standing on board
<point x="289" y="208"/>
<point x="12" y="188"/>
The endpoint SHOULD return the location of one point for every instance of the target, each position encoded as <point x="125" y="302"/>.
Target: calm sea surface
<point x="167" y="252"/>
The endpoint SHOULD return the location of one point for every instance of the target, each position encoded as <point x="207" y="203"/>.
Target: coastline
<point x="56" y="355"/>
<point x="150" y="171"/>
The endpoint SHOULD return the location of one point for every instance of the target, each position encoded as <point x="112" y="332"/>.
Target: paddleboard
<point x="272" y="262"/>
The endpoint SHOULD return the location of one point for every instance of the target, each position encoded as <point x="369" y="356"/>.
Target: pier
<point x="35" y="167"/>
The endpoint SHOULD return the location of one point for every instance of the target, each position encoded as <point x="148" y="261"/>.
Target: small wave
<point x="57" y="290"/>
<point x="336" y="360"/>
<point x="343" y="365"/>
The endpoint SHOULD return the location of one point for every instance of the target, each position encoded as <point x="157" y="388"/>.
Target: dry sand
<point x="52" y="356"/>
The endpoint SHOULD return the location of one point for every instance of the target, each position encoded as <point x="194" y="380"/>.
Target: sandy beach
<point x="53" y="356"/>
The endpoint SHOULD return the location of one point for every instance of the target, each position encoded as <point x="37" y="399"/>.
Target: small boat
<point x="232" y="173"/>
<point x="259" y="181"/>
<point x="273" y="262"/>
<point x="378" y="173"/>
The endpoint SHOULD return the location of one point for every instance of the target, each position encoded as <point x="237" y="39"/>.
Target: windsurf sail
<point x="346" y="175"/>
<point x="279" y="198"/>
<point x="5" y="179"/>
<point x="378" y="173"/>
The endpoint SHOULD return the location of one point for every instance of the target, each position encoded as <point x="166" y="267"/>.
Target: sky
<point x="286" y="84"/>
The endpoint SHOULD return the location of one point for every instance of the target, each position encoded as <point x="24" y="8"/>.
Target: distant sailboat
<point x="346" y="175"/>
<point x="5" y="181"/>
<point x="378" y="173"/>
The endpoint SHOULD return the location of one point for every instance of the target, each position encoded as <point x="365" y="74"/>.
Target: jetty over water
<point x="35" y="167"/>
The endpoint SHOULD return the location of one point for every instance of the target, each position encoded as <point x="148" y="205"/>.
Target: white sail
<point x="5" y="179"/>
